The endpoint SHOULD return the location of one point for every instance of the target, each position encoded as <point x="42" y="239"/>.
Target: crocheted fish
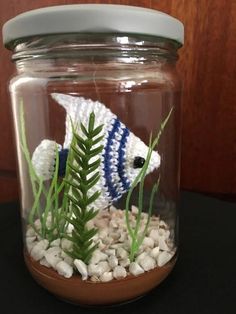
<point x="121" y="159"/>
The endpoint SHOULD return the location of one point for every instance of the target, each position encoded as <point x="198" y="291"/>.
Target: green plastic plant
<point x="81" y="176"/>
<point x="43" y="195"/>
<point x="135" y="236"/>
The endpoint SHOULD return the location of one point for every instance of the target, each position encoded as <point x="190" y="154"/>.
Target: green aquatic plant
<point x="81" y="176"/>
<point x="52" y="222"/>
<point x="137" y="237"/>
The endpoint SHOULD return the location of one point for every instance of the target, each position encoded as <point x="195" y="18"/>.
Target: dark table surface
<point x="203" y="280"/>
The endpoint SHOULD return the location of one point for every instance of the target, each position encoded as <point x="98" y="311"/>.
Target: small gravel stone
<point x="82" y="268"/>
<point x="44" y="262"/>
<point x="66" y="244"/>
<point x="119" y="272"/>
<point x="95" y="270"/>
<point x="56" y="242"/>
<point x="163" y="258"/>
<point x="122" y="253"/>
<point x="162" y="243"/>
<point x="30" y="245"/>
<point x="38" y="250"/>
<point x="30" y="232"/>
<point x="113" y="261"/>
<point x="154" y="234"/>
<point x="124" y="262"/>
<point x="134" y="210"/>
<point x="107" y="276"/>
<point x="64" y="269"/>
<point x="98" y="256"/>
<point x="135" y="269"/>
<point x="53" y="256"/>
<point x="141" y="257"/>
<point x="155" y="252"/>
<point x="110" y="252"/>
<point x="147" y="263"/>
<point x="148" y="241"/>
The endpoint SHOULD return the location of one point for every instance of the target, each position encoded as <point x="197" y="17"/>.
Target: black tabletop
<point x="203" y="280"/>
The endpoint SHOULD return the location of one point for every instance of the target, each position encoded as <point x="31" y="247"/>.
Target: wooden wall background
<point x="208" y="67"/>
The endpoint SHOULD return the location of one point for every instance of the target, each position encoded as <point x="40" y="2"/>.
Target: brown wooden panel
<point x="207" y="65"/>
<point x="8" y="188"/>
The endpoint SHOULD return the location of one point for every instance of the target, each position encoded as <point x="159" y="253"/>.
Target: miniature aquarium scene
<point x="97" y="119"/>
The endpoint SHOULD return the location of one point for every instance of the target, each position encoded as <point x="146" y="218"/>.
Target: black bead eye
<point x="138" y="162"/>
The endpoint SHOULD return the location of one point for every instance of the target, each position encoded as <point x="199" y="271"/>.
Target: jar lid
<point x="92" y="18"/>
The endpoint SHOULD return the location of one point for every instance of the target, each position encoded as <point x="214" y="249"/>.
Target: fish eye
<point x="138" y="162"/>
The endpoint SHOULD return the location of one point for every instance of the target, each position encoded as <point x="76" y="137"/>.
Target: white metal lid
<point x="93" y="18"/>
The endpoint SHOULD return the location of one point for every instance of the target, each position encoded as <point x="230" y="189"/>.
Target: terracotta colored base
<point x="96" y="293"/>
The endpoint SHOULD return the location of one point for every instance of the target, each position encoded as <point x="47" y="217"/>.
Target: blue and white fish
<point x="121" y="159"/>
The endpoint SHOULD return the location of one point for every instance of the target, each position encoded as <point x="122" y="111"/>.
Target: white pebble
<point x="122" y="237"/>
<point x="38" y="250"/>
<point x="101" y="245"/>
<point x="141" y="257"/>
<point x="94" y="270"/>
<point x="105" y="266"/>
<point x="30" y="239"/>
<point x="44" y="262"/>
<point x="134" y="210"/>
<point x="110" y="252"/>
<point x="155" y="252"/>
<point x="107" y="276"/>
<point x="122" y="253"/>
<point x="53" y="256"/>
<point x="113" y="224"/>
<point x="94" y="279"/>
<point x="154" y="234"/>
<point x="163" y="258"/>
<point x="64" y="269"/>
<point x="113" y="261"/>
<point x="70" y="228"/>
<point x="147" y="263"/>
<point x="115" y="235"/>
<point x="30" y="245"/>
<point x="37" y="224"/>
<point x="90" y="224"/>
<point x="148" y="242"/>
<point x="98" y="256"/>
<point x="167" y="234"/>
<point x="30" y="232"/>
<point x="112" y="208"/>
<point x="124" y="262"/>
<point x="135" y="269"/>
<point x="162" y="244"/>
<point x="163" y="224"/>
<point x="103" y="234"/>
<point x="101" y="223"/>
<point x="66" y="244"/>
<point x="56" y="242"/>
<point x="144" y="216"/>
<point x="82" y="268"/>
<point x="116" y="245"/>
<point x="119" y="272"/>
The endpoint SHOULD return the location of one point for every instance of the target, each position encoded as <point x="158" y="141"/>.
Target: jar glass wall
<point x="97" y="125"/>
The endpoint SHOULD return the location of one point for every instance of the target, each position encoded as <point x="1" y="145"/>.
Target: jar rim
<point x="92" y="18"/>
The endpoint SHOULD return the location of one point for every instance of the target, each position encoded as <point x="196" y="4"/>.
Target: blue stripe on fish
<point x="63" y="154"/>
<point x="121" y="160"/>
<point x="107" y="160"/>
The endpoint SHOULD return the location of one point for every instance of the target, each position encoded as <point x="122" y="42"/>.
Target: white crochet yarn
<point x="121" y="146"/>
<point x="43" y="158"/>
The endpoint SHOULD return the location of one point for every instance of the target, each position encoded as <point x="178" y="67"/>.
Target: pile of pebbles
<point x="111" y="259"/>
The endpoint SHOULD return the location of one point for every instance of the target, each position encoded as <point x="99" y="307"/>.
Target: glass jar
<point x="96" y="109"/>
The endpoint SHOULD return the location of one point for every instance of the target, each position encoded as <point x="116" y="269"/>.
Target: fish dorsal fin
<point x="78" y="110"/>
